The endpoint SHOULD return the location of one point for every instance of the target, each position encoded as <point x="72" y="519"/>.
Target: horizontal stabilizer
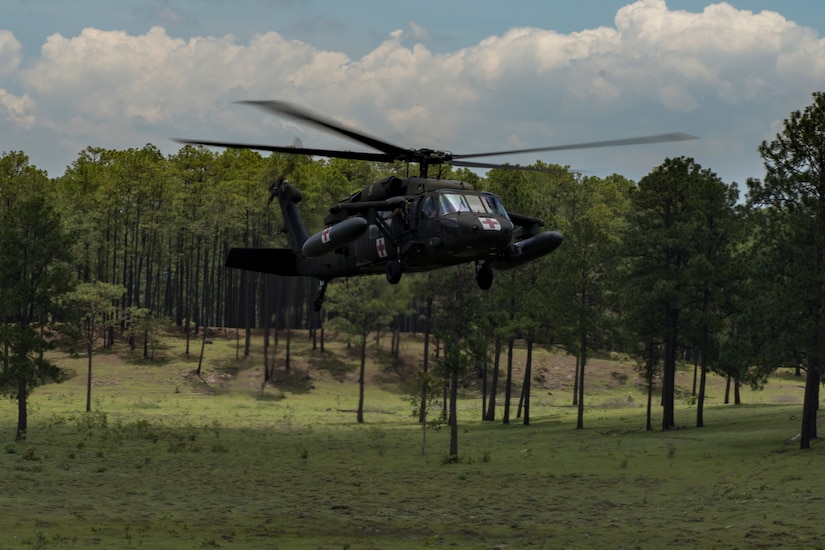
<point x="277" y="261"/>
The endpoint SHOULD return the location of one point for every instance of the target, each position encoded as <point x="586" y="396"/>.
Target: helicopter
<point x="401" y="225"/>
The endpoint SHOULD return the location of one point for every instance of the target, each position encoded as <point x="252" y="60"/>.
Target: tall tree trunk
<point x="669" y="372"/>
<point x="187" y="269"/>
<point x="491" y="403"/>
<point x="582" y="364"/>
<point x="113" y="219"/>
<point x="267" y="323"/>
<point x="203" y="349"/>
<point x="288" y="351"/>
<point x="508" y="384"/>
<point x="810" y="406"/>
<point x="180" y="285"/>
<point x="422" y="414"/>
<point x="650" y="367"/>
<point x="249" y="313"/>
<point x="649" y="423"/>
<point x="453" y="416"/>
<point x="196" y="286"/>
<point x="695" y="372"/>
<point x="22" y="409"/>
<point x="146" y="341"/>
<point x="576" y="378"/>
<point x="700" y="403"/>
<point x="727" y="389"/>
<point x="361" y="376"/>
<point x="89" y="339"/>
<point x="485" y="367"/>
<point x="704" y="351"/>
<point x="528" y="380"/>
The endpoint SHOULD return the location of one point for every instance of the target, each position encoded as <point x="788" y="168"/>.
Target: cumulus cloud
<point x="19" y="109"/>
<point x="10" y="52"/>
<point x="655" y="70"/>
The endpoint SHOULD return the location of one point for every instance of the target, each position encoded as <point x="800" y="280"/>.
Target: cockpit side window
<point x="450" y="203"/>
<point x="494" y="205"/>
<point x="477" y="205"/>
<point x="428" y="209"/>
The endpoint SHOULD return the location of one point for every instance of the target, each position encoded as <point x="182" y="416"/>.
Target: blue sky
<point x="353" y="27"/>
<point x="465" y="76"/>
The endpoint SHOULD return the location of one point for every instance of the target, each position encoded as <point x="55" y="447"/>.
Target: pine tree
<point x="34" y="274"/>
<point x="792" y="199"/>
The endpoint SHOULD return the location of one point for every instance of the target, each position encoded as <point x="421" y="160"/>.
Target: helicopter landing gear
<point x="394" y="271"/>
<point x="484" y="275"/>
<point x="319" y="301"/>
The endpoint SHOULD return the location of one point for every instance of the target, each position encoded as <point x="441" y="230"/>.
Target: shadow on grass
<point x="333" y="365"/>
<point x="295" y="380"/>
<point x="214" y="379"/>
<point x="394" y="374"/>
<point x="156" y="358"/>
<point x="789" y="375"/>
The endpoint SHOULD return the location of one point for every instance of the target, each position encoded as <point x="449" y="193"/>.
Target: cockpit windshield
<point x="484" y="203"/>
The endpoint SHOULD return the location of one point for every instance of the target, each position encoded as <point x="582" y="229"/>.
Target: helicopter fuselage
<point x="402" y="225"/>
<point x="440" y="228"/>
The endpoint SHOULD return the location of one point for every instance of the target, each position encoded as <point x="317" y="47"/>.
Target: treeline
<point x="674" y="267"/>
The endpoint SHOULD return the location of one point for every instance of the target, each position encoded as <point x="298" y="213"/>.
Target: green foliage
<point x="360" y="305"/>
<point x="145" y="324"/>
<point x="428" y="385"/>
<point x="34" y="274"/>
<point x="789" y="253"/>
<point x="678" y="243"/>
<point x="94" y="305"/>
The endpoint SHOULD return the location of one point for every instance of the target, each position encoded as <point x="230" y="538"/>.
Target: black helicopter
<point x="400" y="225"/>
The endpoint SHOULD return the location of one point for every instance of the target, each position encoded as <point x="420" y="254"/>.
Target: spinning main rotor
<point x="392" y="153"/>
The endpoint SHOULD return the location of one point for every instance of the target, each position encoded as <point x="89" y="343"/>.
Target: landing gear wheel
<point x="484" y="276"/>
<point x="394" y="271"/>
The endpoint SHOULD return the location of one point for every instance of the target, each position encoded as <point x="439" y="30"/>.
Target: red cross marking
<point x="381" y="248"/>
<point x="491" y="224"/>
<point x="325" y="235"/>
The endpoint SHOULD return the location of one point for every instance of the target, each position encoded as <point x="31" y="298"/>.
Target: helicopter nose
<point x="491" y="232"/>
<point x="476" y="232"/>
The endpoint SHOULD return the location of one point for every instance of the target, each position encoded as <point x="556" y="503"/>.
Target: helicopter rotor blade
<point x="658" y="138"/>
<point x="490" y="166"/>
<point x="391" y="153"/>
<point x="297" y="113"/>
<point x="332" y="153"/>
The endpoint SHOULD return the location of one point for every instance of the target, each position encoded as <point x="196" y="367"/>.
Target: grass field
<point x="167" y="460"/>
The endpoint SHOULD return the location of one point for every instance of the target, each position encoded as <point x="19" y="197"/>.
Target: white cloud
<point x="19" y="109"/>
<point x="10" y="52"/>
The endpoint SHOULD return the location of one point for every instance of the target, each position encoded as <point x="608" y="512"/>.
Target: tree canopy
<point x="670" y="269"/>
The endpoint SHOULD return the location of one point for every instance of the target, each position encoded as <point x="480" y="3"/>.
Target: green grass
<point x="167" y="460"/>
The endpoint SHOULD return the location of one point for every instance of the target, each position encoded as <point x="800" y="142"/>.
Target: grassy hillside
<point x="170" y="460"/>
